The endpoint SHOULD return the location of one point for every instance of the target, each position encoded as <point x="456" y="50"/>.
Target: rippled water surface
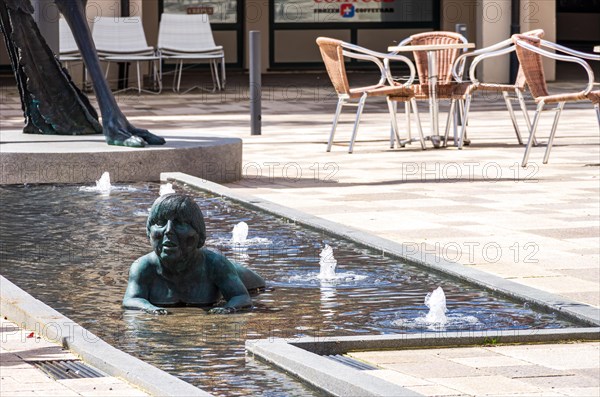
<point x="72" y="249"/>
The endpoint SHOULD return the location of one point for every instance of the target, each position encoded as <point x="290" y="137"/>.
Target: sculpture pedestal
<point x="31" y="158"/>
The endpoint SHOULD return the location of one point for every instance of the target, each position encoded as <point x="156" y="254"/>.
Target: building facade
<point x="289" y="27"/>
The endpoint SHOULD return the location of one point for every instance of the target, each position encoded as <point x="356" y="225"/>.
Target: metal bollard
<point x="255" y="83"/>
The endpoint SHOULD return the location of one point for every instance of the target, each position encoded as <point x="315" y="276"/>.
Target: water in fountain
<point x="166" y="189"/>
<point x="327" y="263"/>
<point x="436" y="302"/>
<point x="102" y="185"/>
<point x="239" y="234"/>
<point x="209" y="350"/>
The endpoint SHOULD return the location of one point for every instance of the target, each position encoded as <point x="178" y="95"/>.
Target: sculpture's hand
<point x="157" y="311"/>
<point x="222" y="310"/>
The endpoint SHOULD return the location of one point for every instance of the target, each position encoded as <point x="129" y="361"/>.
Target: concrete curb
<point x="327" y="375"/>
<point x="305" y="358"/>
<point x="345" y="344"/>
<point x="541" y="300"/>
<point x="32" y="314"/>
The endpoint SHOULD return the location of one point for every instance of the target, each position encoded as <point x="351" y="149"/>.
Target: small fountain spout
<point x="166" y="189"/>
<point x="328" y="263"/>
<point x="103" y="184"/>
<point x="239" y="233"/>
<point x="436" y="302"/>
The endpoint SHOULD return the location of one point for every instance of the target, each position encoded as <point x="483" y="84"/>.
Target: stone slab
<point x="82" y="159"/>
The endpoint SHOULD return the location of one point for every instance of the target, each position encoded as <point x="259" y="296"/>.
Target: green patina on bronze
<point x="180" y="271"/>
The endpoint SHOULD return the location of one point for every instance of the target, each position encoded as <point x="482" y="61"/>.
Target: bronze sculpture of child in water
<point x="179" y="271"/>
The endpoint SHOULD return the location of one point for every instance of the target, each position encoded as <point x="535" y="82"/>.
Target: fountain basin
<point x="99" y="236"/>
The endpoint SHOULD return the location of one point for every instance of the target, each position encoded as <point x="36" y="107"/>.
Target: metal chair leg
<point x="525" y="112"/>
<point x="338" y="110"/>
<point x="139" y="79"/>
<point x="413" y="103"/>
<point x="449" y="121"/>
<point x="392" y="110"/>
<point x="532" y="129"/>
<point x="465" y="118"/>
<point x="408" y="128"/>
<point x="511" y="112"/>
<point x="223" y="77"/>
<point x="361" y="104"/>
<point x="179" y="76"/>
<point x="597" y="107"/>
<point x="559" y="109"/>
<point x="214" y="75"/>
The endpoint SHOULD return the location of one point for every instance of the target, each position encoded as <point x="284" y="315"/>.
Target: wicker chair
<point x="446" y="88"/>
<point x="333" y="52"/>
<point x="518" y="87"/>
<point x="530" y="55"/>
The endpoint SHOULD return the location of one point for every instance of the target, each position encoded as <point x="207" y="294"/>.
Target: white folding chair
<point x="189" y="38"/>
<point x="124" y="40"/>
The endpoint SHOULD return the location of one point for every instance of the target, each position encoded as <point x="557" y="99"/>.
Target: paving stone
<point x="433" y="368"/>
<point x="555" y="382"/>
<point x="398" y="378"/>
<point x="435" y="390"/>
<point x="579" y="391"/>
<point x="527" y="371"/>
<point x="483" y="362"/>
<point x="561" y="357"/>
<point x="101" y="386"/>
<point x="393" y="356"/>
<point x="479" y="385"/>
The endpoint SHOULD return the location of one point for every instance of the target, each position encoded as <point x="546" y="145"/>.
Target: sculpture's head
<point x="175" y="227"/>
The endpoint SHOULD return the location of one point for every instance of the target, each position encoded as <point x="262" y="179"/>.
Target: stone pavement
<point x="531" y="370"/>
<point x="539" y="226"/>
<point x="19" y="349"/>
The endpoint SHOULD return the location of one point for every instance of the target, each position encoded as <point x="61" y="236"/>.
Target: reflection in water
<point x="72" y="249"/>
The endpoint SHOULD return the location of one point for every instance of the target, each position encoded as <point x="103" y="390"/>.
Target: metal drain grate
<point x="67" y="369"/>
<point x="361" y="366"/>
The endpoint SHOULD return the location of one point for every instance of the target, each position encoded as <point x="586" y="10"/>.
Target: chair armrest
<point x="459" y="64"/>
<point x="357" y="52"/>
<point x="565" y="58"/>
<point x="570" y="51"/>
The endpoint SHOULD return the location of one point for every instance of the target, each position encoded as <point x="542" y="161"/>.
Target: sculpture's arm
<point x="137" y="293"/>
<point x="232" y="288"/>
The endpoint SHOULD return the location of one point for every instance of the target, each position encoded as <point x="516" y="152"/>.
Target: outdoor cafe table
<point x="433" y="77"/>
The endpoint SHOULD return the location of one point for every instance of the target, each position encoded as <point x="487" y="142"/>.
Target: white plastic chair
<point x="124" y="40"/>
<point x="183" y="37"/>
<point x="68" y="51"/>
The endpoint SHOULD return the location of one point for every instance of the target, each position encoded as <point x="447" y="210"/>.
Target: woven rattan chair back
<point x="532" y="66"/>
<point x="521" y="81"/>
<point x="445" y="58"/>
<point x="332" y="53"/>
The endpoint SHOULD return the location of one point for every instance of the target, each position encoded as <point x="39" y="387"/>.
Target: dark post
<point x="255" y="83"/>
<point x="515" y="27"/>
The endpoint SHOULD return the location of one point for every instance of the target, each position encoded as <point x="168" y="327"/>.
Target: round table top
<point x="431" y="47"/>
